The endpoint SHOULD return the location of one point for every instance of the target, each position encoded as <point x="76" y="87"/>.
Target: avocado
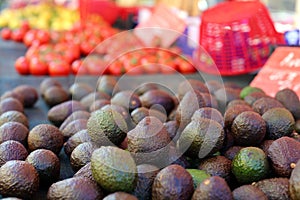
<point x="106" y="127"/>
<point x="108" y="85"/>
<point x="81" y="155"/>
<point x="59" y="113"/>
<point x="201" y="138"/>
<point x="78" y="90"/>
<point x="55" y="95"/>
<point x="140" y="113"/>
<point x="160" y="97"/>
<point x="9" y="104"/>
<point x="85" y="171"/>
<point x="14" y="95"/>
<point x="18" y="179"/>
<point x="228" y="141"/>
<point x="74" y="116"/>
<point x="248" y="192"/>
<point x="78" y="188"/>
<point x="274" y="188"/>
<point x="215" y="188"/>
<point x="198" y="176"/>
<point x="233" y="85"/>
<point x="14" y="131"/>
<point x="98" y="104"/>
<point x="248" y="129"/>
<point x="210" y="100"/>
<point x="232" y="151"/>
<point x="141" y="89"/>
<point x="264" y="104"/>
<point x="46" y="164"/>
<point x="191" y="85"/>
<point x="191" y="101"/>
<point x="29" y="93"/>
<point x="297" y="126"/>
<point x="284" y="153"/>
<point x="12" y="150"/>
<point x="120" y="196"/>
<point x="114" y="169"/>
<point x="45" y="136"/>
<point x="237" y="102"/>
<point x="145" y="179"/>
<point x="280" y="122"/>
<point x="149" y="141"/>
<point x="232" y="112"/>
<point x="74" y="127"/>
<point x="127" y="99"/>
<point x="48" y="83"/>
<point x="123" y="111"/>
<point x="89" y="99"/>
<point x="78" y="138"/>
<point x="290" y="100"/>
<point x="251" y="98"/>
<point x="294" y="182"/>
<point x="14" y="116"/>
<point x="249" y="165"/>
<point x="173" y="182"/>
<point x="248" y="90"/>
<point x="172" y="127"/>
<point x="209" y="113"/>
<point x="225" y="95"/>
<point x="213" y="85"/>
<point x="217" y="166"/>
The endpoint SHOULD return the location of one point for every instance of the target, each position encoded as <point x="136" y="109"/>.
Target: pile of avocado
<point x="206" y="141"/>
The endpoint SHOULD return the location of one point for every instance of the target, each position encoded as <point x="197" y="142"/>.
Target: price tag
<point x="162" y="28"/>
<point x="281" y="71"/>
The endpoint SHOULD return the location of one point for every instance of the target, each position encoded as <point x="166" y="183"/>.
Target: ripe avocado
<point x="98" y="104"/>
<point x="9" y="104"/>
<point x="47" y="165"/>
<point x="14" y="131"/>
<point x="89" y="99"/>
<point x="249" y="165"/>
<point x="12" y="150"/>
<point x="145" y="179"/>
<point x="74" y="116"/>
<point x="29" y="93"/>
<point x="232" y="151"/>
<point x="85" y="171"/>
<point x="173" y="182"/>
<point x="209" y="113"/>
<point x="217" y="166"/>
<point x="108" y="85"/>
<point x="114" y="169"/>
<point x="149" y="142"/>
<point x="127" y="99"/>
<point x="264" y="104"/>
<point x="201" y="138"/>
<point x="290" y="100"/>
<point x="14" y="116"/>
<point x="274" y="188"/>
<point x="232" y="112"/>
<point x="81" y="155"/>
<point x="19" y="179"/>
<point x="215" y="188"/>
<point x="106" y="127"/>
<point x="78" y="138"/>
<point x="248" y="192"/>
<point x="78" y="90"/>
<point x="78" y="188"/>
<point x="191" y="85"/>
<point x="120" y="196"/>
<point x="280" y="122"/>
<point x="47" y="83"/>
<point x="248" y="129"/>
<point x="74" y="127"/>
<point x="55" y="95"/>
<point x="251" y="98"/>
<point x="284" y="153"/>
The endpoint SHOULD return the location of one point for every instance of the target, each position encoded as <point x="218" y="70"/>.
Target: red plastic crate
<point x="238" y="37"/>
<point x="105" y="8"/>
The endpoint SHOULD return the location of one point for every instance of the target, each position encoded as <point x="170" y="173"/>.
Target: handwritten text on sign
<point x="282" y="70"/>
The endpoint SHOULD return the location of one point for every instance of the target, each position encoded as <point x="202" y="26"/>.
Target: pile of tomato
<point x="73" y="52"/>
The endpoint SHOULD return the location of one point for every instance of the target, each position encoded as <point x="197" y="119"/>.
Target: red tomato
<point x="29" y="37"/>
<point x="22" y="65"/>
<point x="135" y="70"/>
<point x="151" y="68"/>
<point x="78" y="68"/>
<point x="6" y="34"/>
<point x="38" y="67"/>
<point x="185" y="67"/>
<point x="116" y="68"/>
<point x="31" y="52"/>
<point x="59" y="68"/>
<point x="43" y="36"/>
<point x="25" y="26"/>
<point x="18" y="35"/>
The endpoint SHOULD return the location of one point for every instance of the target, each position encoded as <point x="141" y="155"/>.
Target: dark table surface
<point x="10" y="51"/>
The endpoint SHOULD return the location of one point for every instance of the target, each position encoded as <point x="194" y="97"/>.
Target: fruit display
<point x="43" y="16"/>
<point x="145" y="142"/>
